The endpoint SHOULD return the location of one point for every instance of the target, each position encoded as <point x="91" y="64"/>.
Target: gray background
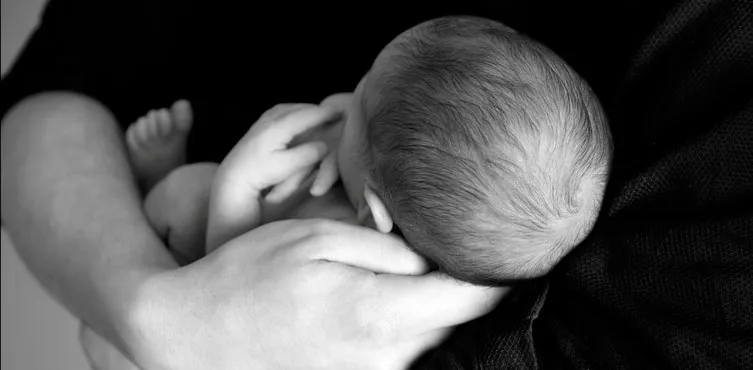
<point x="37" y="333"/>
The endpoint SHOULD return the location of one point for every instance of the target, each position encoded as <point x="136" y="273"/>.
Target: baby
<point x="480" y="146"/>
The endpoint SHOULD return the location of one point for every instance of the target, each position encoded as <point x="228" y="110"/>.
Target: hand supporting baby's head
<point x="487" y="150"/>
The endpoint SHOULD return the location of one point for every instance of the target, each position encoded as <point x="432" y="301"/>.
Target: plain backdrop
<point x="37" y="333"/>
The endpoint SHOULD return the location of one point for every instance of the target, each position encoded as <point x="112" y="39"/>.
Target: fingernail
<point x="316" y="188"/>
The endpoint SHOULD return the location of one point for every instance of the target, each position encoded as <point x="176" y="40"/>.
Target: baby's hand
<point x="270" y="159"/>
<point x="328" y="173"/>
<point x="263" y="159"/>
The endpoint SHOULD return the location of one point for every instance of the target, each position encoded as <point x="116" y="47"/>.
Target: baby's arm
<point x="260" y="160"/>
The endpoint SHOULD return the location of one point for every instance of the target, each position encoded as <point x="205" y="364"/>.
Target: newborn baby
<point x="480" y="146"/>
<point x="489" y="153"/>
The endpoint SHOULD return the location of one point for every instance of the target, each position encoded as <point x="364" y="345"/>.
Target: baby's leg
<point x="157" y="142"/>
<point x="177" y="209"/>
<point x="178" y="195"/>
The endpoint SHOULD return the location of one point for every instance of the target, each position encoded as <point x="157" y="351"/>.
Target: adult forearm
<point x="73" y="211"/>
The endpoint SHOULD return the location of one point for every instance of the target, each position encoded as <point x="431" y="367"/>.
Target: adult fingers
<point x="367" y="249"/>
<point x="436" y="300"/>
<point x="407" y="350"/>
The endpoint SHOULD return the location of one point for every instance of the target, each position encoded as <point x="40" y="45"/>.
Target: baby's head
<point x="482" y="146"/>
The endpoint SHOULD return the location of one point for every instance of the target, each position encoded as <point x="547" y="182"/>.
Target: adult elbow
<point x="48" y="110"/>
<point x="41" y="122"/>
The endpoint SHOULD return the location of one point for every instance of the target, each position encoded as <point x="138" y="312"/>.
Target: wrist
<point x="162" y="322"/>
<point x="141" y="324"/>
<point x="132" y="298"/>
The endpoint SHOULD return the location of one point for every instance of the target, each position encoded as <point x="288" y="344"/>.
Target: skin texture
<point x="260" y="160"/>
<point x="62" y="157"/>
<point x="335" y="294"/>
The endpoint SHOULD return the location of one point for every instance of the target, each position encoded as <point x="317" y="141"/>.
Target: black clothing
<point x="664" y="280"/>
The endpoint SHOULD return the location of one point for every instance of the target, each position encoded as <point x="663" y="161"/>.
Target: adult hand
<point x="303" y="294"/>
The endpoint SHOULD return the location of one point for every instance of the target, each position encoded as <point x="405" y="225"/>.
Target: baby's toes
<point x="133" y="141"/>
<point x="164" y="123"/>
<point x="152" y="127"/>
<point x="182" y="115"/>
<point x="143" y="130"/>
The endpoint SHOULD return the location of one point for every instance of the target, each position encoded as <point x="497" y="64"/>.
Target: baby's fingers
<point x="286" y="188"/>
<point x="327" y="175"/>
<point x="280" y="110"/>
<point x="296" y="122"/>
<point x="291" y="161"/>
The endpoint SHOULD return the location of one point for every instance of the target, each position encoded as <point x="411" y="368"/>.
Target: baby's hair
<point x="489" y="152"/>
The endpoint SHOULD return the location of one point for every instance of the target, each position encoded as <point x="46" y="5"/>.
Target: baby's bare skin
<point x="178" y="206"/>
<point x="266" y="168"/>
<point x="184" y="232"/>
<point x="334" y="205"/>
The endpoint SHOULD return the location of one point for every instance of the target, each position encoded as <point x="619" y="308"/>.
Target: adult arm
<point x="69" y="202"/>
<point x="72" y="208"/>
<point x="306" y="286"/>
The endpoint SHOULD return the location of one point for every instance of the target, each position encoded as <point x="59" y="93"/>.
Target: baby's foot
<point x="157" y="142"/>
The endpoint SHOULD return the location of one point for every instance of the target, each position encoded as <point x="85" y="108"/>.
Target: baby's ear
<point x="339" y="100"/>
<point x="378" y="211"/>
